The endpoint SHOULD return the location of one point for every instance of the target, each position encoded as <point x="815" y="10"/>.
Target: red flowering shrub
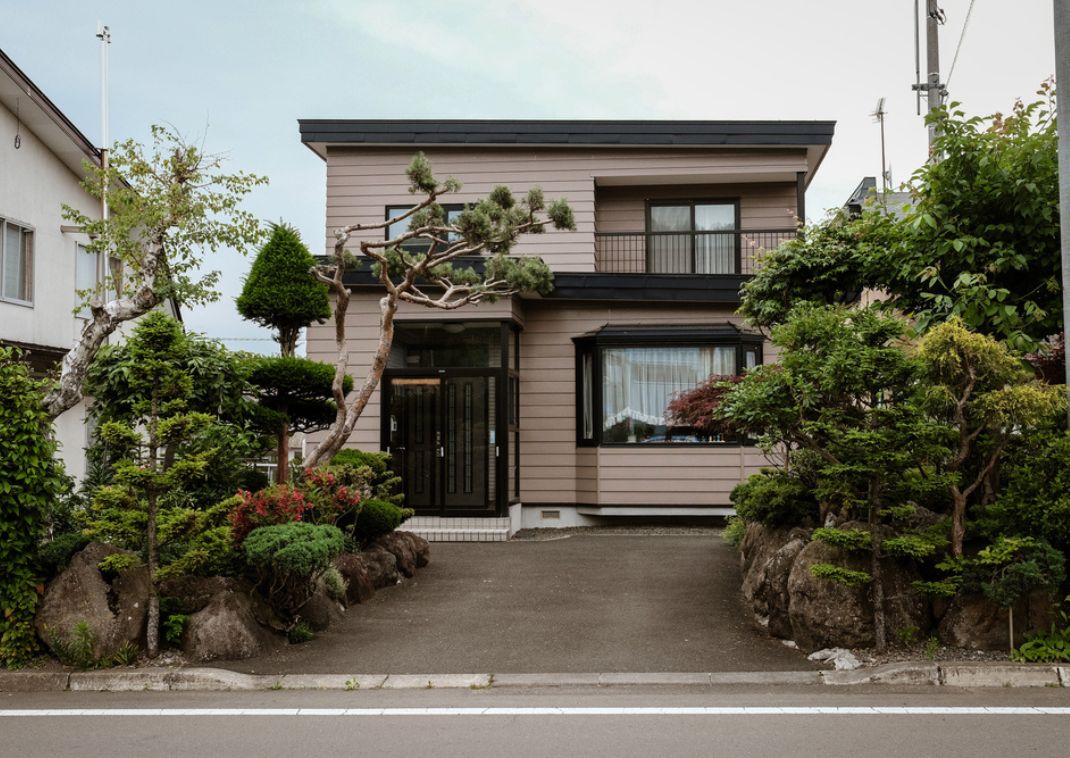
<point x="279" y="504"/>
<point x="329" y="499"/>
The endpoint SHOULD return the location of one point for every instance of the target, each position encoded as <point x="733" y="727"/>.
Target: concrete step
<point x="462" y="529"/>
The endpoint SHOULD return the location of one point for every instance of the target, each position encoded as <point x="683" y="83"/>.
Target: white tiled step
<point x="440" y="529"/>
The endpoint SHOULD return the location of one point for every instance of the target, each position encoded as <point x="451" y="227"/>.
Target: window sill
<point x="13" y="301"/>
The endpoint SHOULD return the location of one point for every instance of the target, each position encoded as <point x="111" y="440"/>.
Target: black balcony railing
<point x="724" y="252"/>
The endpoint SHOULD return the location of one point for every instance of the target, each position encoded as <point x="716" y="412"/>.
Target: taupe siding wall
<point x="361" y="182"/>
<point x="362" y="329"/>
<point x="761" y="206"/>
<point x="554" y="470"/>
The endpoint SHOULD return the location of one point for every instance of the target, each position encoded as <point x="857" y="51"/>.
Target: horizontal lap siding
<point x="761" y="206"/>
<point x="361" y="182"/>
<point x="554" y="470"/>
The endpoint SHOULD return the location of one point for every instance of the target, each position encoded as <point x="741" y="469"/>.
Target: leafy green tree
<point x="984" y="396"/>
<point x="151" y="441"/>
<point x="280" y="292"/>
<point x="167" y="207"/>
<point x="980" y="240"/>
<point x="30" y="481"/>
<point x="831" y="403"/>
<point x="430" y="265"/>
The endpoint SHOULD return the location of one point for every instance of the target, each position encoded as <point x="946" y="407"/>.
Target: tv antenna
<point x="879" y="113"/>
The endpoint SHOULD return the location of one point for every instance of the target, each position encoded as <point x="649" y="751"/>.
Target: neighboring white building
<point x="42" y="259"/>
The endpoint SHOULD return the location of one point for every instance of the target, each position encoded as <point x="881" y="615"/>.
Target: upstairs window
<point x="400" y="227"/>
<point x="86" y="277"/>
<point x="16" y="262"/>
<point x="693" y="237"/>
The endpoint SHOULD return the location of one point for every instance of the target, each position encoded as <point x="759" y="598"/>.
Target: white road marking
<point x="611" y="711"/>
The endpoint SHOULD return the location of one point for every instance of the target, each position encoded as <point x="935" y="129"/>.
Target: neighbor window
<point x="86" y="277"/>
<point x="692" y="237"/>
<point x="624" y="390"/>
<point x="16" y="269"/>
<point x="400" y="227"/>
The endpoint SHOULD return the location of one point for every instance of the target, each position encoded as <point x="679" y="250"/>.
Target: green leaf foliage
<point x="774" y="498"/>
<point x="370" y="472"/>
<point x="845" y="539"/>
<point x="1035" y="500"/>
<point x="280" y="292"/>
<point x="290" y="558"/>
<point x="378" y="518"/>
<point x="30" y="481"/>
<point x="840" y="575"/>
<point x="980" y="240"/>
<point x="297" y="389"/>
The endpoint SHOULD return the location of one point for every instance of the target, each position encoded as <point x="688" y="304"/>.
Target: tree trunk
<point x="282" y="471"/>
<point x="880" y="635"/>
<point x="343" y="426"/>
<point x="104" y="320"/>
<point x="152" y="624"/>
<point x="958" y="520"/>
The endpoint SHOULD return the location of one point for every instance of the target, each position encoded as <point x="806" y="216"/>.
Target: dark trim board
<point x="565" y="132"/>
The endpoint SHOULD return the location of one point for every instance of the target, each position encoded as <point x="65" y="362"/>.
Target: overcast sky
<point x="243" y="72"/>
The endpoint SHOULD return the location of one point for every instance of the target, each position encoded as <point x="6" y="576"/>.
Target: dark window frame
<point x="416" y="243"/>
<point x="692" y="202"/>
<point x="593" y="345"/>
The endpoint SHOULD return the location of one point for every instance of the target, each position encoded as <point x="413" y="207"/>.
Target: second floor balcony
<point x="722" y="252"/>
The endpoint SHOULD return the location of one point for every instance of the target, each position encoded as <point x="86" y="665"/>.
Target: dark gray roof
<point x="552" y="132"/>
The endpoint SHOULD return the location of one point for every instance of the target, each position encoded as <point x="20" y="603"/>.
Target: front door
<point x="441" y="436"/>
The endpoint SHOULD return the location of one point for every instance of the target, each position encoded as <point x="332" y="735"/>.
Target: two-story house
<point x="43" y="260"/>
<point x="551" y="411"/>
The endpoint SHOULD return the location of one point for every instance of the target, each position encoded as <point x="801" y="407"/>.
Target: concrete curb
<point x="213" y="679"/>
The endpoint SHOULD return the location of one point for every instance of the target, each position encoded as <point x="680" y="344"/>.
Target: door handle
<point x="441" y="451"/>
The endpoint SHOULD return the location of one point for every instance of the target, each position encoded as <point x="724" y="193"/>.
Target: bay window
<point x="627" y="379"/>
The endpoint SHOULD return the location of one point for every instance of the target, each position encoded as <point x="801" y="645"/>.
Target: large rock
<point x="826" y="614"/>
<point x="321" y="610"/>
<point x="975" y="622"/>
<point x="382" y="567"/>
<point x="771" y="600"/>
<point x="193" y="593"/>
<point x="226" y="628"/>
<point x="354" y="569"/>
<point x="114" y="608"/>
<point x="403" y="551"/>
<point x="420" y="546"/>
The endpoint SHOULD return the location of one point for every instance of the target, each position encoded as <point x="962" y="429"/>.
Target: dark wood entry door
<point x="440" y="436"/>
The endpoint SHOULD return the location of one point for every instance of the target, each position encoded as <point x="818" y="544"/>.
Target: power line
<point x="962" y="35"/>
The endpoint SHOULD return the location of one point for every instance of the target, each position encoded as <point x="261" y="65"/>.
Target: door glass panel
<point x="414" y="438"/>
<point x="468" y="446"/>
<point x="453" y="344"/>
<point x="670" y="253"/>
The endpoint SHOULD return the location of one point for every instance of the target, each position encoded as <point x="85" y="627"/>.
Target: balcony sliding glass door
<point x="692" y="237"/>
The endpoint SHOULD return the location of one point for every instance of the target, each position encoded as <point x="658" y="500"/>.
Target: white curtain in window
<point x="639" y="382"/>
<point x="715" y="248"/>
<point x="13" y="262"/>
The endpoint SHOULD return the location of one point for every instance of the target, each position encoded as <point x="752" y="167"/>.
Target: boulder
<point x="114" y="608"/>
<point x="975" y="622"/>
<point x="827" y="614"/>
<point x="420" y="546"/>
<point x="403" y="551"/>
<point x="354" y="569"/>
<point x="321" y="610"/>
<point x="823" y="613"/>
<point x="770" y="599"/>
<point x="194" y="593"/>
<point x="226" y="628"/>
<point x="382" y="567"/>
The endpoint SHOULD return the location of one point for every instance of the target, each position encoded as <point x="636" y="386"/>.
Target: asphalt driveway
<point x="585" y="603"/>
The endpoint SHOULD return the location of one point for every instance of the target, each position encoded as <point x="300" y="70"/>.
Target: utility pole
<point x="104" y="35"/>
<point x="1062" y="74"/>
<point x="932" y="86"/>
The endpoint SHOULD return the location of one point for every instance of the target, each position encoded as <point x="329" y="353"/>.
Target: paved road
<point x="586" y="603"/>
<point x="630" y="722"/>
